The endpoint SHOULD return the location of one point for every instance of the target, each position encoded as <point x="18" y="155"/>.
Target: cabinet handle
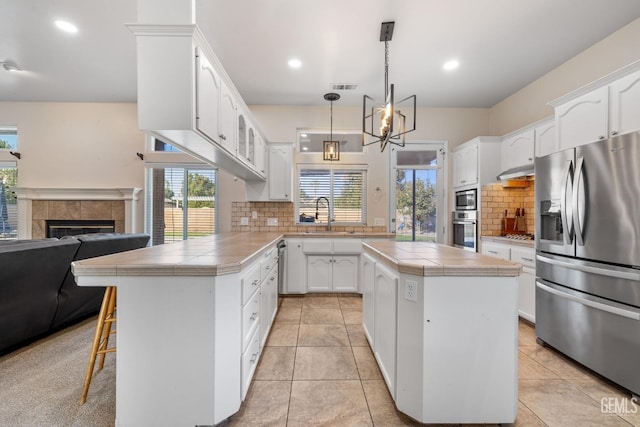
<point x="601" y="137"/>
<point x="527" y="259"/>
<point x="254" y="283"/>
<point x="273" y="278"/>
<point x="493" y="252"/>
<point x="268" y="267"/>
<point x="254" y="316"/>
<point x="614" y="133"/>
<point x="254" y="357"/>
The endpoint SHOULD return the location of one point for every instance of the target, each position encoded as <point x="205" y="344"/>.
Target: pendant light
<point x="331" y="148"/>
<point x="387" y="122"/>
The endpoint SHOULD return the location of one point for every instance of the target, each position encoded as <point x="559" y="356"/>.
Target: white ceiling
<point x="502" y="45"/>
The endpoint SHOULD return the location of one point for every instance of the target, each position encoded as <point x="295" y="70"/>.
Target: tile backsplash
<point x="284" y="213"/>
<point x="495" y="199"/>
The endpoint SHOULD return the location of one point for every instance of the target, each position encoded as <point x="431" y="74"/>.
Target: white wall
<point x="76" y="145"/>
<point x="529" y="104"/>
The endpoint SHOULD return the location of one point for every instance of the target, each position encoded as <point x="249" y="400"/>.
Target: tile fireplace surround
<point x="36" y="205"/>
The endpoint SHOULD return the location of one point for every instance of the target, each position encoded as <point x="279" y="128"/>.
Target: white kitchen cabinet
<point x="385" y="312"/>
<point x="228" y="117"/>
<point x="517" y="149"/>
<point x="526" y="281"/>
<point x="185" y="98"/>
<point x="584" y="119"/>
<point x="476" y="162"/>
<point x="280" y="172"/>
<point x="260" y="155"/>
<point x="332" y="273"/>
<point x="268" y="303"/>
<point x="545" y="138"/>
<point x="367" y="286"/>
<point x="625" y="105"/>
<point x="242" y="137"/>
<point x="207" y="96"/>
<point x="296" y="268"/>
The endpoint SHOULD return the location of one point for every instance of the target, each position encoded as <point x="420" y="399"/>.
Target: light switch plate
<point x="254" y="214"/>
<point x="244" y="220"/>
<point x="378" y="221"/>
<point x="272" y="221"/>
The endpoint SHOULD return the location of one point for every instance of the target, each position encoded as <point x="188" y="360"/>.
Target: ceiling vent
<point x="343" y="86"/>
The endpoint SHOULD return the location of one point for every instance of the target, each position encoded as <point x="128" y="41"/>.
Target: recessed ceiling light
<point x="65" y="26"/>
<point x="451" y="65"/>
<point x="295" y="63"/>
<point x="305" y="148"/>
<point x="304" y="135"/>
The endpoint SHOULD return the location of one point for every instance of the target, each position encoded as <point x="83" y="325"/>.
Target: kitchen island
<point x="443" y="326"/>
<point x="192" y="317"/>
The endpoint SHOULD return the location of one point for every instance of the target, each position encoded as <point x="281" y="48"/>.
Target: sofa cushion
<point x="30" y="278"/>
<point x="76" y="302"/>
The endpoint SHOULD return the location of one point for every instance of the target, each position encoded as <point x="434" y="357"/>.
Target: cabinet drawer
<point x="524" y="256"/>
<point x="251" y="282"/>
<point x="347" y="246"/>
<point x="269" y="262"/>
<point x="497" y="251"/>
<point x="250" y="361"/>
<point x="317" y="246"/>
<point x="250" y="319"/>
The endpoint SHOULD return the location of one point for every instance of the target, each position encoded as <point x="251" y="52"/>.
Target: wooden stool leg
<point x="109" y="319"/>
<point x="96" y="341"/>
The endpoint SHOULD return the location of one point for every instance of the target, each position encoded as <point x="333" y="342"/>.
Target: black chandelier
<point x="387" y="122"/>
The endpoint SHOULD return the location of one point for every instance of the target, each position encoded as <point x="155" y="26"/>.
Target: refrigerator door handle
<point x="566" y="211"/>
<point x="593" y="304"/>
<point x="627" y="275"/>
<point x="578" y="201"/>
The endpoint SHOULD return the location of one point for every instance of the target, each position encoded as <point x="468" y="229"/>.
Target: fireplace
<point x="60" y="227"/>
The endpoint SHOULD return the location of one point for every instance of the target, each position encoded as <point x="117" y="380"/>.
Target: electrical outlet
<point x="272" y="221"/>
<point x="411" y="290"/>
<point x="378" y="221"/>
<point x="244" y="220"/>
<point x="254" y="215"/>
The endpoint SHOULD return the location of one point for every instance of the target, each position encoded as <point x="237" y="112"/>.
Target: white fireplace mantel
<point x="27" y="195"/>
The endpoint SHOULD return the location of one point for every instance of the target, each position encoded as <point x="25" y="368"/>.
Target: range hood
<point x="521" y="172"/>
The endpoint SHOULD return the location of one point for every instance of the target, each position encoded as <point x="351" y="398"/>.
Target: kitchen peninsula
<point x="192" y="318"/>
<point x="443" y="325"/>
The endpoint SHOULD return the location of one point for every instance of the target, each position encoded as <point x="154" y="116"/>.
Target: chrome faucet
<point x="328" y="211"/>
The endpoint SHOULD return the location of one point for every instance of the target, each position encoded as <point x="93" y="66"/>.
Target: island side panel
<point x="169" y="365"/>
<point x="468" y="331"/>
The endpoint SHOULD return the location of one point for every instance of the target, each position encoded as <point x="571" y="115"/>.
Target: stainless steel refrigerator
<point x="588" y="256"/>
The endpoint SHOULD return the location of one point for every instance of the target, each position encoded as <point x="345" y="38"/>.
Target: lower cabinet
<point x="367" y="287"/>
<point x="385" y="320"/>
<point x="332" y="273"/>
<point x="295" y="278"/>
<point x="527" y="278"/>
<point x="259" y="306"/>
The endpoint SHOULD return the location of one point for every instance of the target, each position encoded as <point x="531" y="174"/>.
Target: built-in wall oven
<point x="465" y="230"/>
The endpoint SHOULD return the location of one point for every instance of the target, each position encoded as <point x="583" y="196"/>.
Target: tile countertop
<point x="432" y="259"/>
<point x="223" y="253"/>
<point x="501" y="239"/>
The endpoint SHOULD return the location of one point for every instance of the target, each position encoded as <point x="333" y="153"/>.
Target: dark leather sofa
<point x="38" y="293"/>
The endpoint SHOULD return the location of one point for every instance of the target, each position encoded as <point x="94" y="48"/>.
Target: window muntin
<point x="345" y="189"/>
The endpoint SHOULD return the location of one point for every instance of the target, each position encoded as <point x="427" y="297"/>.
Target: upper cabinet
<point x="476" y="162"/>
<point x="625" y="105"/>
<point x="517" y="149"/>
<point x="604" y="108"/>
<point x="280" y="172"/>
<point x="186" y="99"/>
<point x="584" y="119"/>
<point x="545" y="138"/>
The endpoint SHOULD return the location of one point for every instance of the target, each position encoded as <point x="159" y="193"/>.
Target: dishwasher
<point x="281" y="265"/>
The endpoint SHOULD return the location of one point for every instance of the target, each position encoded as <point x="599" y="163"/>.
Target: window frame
<point x="332" y="170"/>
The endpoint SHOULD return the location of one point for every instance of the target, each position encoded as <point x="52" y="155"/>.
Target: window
<point x="344" y="189"/>
<point x="8" y="181"/>
<point x="312" y="141"/>
<point x="180" y="198"/>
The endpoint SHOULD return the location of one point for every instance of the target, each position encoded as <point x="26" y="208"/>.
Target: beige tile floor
<point x="317" y="369"/>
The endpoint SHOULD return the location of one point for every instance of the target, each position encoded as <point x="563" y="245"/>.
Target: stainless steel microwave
<point x="466" y="200"/>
